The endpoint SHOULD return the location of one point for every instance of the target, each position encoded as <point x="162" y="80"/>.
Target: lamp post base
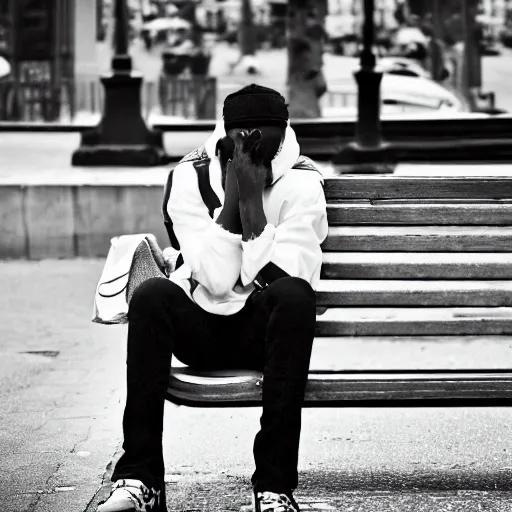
<point x="356" y="159"/>
<point x="122" y="137"/>
<point x="368" y="153"/>
<point x="119" y="155"/>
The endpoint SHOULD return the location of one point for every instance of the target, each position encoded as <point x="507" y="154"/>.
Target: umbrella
<point x="484" y="19"/>
<point x="408" y="35"/>
<point x="166" y="24"/>
<point x="171" y="10"/>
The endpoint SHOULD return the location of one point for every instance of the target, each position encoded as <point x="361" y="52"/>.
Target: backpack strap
<point x="208" y="195"/>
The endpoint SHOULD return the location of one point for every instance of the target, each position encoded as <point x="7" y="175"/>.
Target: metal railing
<point x="68" y="101"/>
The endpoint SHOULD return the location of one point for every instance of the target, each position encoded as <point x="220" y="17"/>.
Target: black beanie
<point x="255" y="105"/>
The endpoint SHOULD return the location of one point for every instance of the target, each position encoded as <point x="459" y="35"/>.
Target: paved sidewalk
<point x="61" y="410"/>
<point x="45" y="159"/>
<point x="62" y="398"/>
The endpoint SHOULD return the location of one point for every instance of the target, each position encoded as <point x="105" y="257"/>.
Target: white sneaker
<point x="130" y="495"/>
<point x="273" y="502"/>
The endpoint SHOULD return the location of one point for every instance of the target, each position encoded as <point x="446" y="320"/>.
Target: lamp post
<point x="471" y="62"/>
<point x="122" y="137"/>
<point x="436" y="52"/>
<point x="368" y="152"/>
<point x="368" y="132"/>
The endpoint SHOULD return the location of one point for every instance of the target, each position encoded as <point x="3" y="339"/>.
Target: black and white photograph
<point x="255" y="255"/>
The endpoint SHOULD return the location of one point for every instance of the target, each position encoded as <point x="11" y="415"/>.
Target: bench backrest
<point x="417" y="256"/>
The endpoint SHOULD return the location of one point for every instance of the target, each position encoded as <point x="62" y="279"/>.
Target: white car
<point x="419" y="91"/>
<point x="405" y="88"/>
<point x="5" y="67"/>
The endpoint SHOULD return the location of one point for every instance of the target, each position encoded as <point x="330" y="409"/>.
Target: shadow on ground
<point x="450" y="489"/>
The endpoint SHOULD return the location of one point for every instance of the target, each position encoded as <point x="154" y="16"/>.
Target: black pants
<point x="272" y="333"/>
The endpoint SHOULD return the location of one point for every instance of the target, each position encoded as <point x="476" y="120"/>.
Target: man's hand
<point x="249" y="165"/>
<point x="231" y="195"/>
<point x="252" y="175"/>
<point x="229" y="217"/>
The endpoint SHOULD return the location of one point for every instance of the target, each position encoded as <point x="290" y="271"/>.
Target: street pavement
<point x="60" y="393"/>
<point x="48" y="160"/>
<point x="62" y="396"/>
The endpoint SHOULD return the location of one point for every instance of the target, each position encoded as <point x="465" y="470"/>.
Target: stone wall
<point x="67" y="221"/>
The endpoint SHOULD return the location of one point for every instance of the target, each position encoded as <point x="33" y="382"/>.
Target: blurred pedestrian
<point x="401" y="12"/>
<point x="222" y="24"/>
<point x="247" y="41"/>
<point x="436" y="60"/>
<point x="411" y="42"/>
<point x="179" y="42"/>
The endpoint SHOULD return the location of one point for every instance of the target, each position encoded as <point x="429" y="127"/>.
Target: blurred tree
<point x="472" y="62"/>
<point x="460" y="32"/>
<point x="450" y="12"/>
<point x="305" y="37"/>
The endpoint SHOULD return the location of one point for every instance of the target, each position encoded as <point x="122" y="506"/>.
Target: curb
<point x="104" y="489"/>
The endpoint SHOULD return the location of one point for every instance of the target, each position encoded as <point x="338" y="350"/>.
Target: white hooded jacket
<point x="219" y="268"/>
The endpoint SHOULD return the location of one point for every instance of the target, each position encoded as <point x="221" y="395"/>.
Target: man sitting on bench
<point x="249" y="214"/>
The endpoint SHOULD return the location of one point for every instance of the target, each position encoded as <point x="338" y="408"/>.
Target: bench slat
<point x="410" y="265"/>
<point x="401" y="352"/>
<point x="419" y="239"/>
<point x="413" y="293"/>
<point x="420" y="214"/>
<point x="449" y="388"/>
<point x="417" y="187"/>
<point x="414" y="321"/>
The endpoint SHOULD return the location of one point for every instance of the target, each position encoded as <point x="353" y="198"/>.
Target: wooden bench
<point x="407" y="260"/>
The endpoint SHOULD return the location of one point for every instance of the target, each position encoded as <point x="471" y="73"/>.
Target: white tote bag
<point x="131" y="260"/>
